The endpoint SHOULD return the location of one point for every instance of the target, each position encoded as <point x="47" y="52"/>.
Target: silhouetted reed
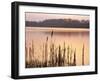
<point x="52" y="55"/>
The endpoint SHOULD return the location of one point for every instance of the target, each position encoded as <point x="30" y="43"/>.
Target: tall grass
<point x="52" y="55"/>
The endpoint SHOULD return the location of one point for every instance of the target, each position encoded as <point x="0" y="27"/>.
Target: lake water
<point x="74" y="38"/>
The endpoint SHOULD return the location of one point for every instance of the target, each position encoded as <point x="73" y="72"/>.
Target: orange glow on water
<point x="75" y="38"/>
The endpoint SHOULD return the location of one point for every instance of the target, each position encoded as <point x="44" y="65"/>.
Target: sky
<point x="29" y="16"/>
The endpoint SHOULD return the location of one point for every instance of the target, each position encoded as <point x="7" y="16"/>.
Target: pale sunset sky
<point x="29" y="16"/>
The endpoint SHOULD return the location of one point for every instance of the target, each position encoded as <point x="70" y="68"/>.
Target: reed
<point x="52" y="55"/>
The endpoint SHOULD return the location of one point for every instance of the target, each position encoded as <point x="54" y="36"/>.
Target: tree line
<point x="66" y="23"/>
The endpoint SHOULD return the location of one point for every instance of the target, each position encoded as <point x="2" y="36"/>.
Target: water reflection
<point x="53" y="47"/>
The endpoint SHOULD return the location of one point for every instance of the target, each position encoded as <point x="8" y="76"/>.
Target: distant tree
<point x="59" y="23"/>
